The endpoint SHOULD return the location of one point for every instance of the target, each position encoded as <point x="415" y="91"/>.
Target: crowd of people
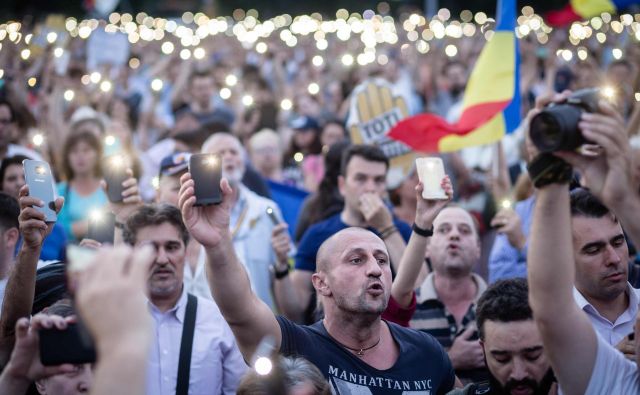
<point x="523" y="280"/>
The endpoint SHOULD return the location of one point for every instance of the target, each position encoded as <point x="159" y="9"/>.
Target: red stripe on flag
<point x="562" y="17"/>
<point x="423" y="132"/>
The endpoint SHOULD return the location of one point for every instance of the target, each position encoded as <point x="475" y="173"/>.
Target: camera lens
<point x="545" y="132"/>
<point x="39" y="169"/>
<point x="556" y="128"/>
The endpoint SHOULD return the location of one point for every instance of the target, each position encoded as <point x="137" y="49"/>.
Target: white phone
<point x="431" y="172"/>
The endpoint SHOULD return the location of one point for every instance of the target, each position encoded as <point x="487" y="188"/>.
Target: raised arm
<point x="19" y="292"/>
<point x="250" y="319"/>
<point x="412" y="262"/>
<point x="569" y="339"/>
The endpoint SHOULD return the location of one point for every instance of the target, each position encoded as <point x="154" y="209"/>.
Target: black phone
<point x="114" y="171"/>
<point x="37" y="175"/>
<point x="206" y="172"/>
<point x="69" y="345"/>
<point x="102" y="226"/>
<point x="272" y="215"/>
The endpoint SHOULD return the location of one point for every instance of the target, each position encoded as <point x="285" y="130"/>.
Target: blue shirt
<point x="318" y="233"/>
<point x="506" y="261"/>
<point x="77" y="207"/>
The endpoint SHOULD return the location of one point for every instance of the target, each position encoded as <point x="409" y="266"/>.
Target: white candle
<point x="431" y="173"/>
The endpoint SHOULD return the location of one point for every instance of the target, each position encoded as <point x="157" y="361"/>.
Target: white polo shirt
<point x="611" y="332"/>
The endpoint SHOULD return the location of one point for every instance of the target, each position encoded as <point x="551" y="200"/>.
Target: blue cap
<point x="304" y="122"/>
<point x="174" y="163"/>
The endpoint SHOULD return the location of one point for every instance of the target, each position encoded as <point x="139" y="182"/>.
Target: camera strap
<point x="186" y="344"/>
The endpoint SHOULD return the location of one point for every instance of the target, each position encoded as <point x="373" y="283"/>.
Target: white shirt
<point x="251" y="227"/>
<point x="612" y="373"/>
<point x="611" y="332"/>
<point x="216" y="363"/>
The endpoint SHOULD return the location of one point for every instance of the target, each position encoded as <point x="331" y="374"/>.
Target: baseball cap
<point x="304" y="122"/>
<point x="174" y="163"/>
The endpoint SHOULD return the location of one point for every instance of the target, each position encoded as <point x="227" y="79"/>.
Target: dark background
<point x="37" y="9"/>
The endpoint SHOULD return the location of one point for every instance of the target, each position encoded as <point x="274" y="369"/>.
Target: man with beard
<point x="352" y="346"/>
<point x="511" y="342"/>
<point x="215" y="364"/>
<point x="251" y="228"/>
<point x="446" y="299"/>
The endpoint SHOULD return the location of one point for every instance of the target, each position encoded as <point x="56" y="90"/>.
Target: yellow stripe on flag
<point x="488" y="133"/>
<point x="492" y="77"/>
<point x="589" y="8"/>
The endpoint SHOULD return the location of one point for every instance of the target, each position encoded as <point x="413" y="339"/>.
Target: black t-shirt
<point x="423" y="367"/>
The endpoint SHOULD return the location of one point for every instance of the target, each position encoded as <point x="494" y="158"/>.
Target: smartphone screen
<point x="431" y="173"/>
<point x="66" y="346"/>
<point x="38" y="177"/>
<point x="206" y="171"/>
<point x="102" y="226"/>
<point x="114" y="171"/>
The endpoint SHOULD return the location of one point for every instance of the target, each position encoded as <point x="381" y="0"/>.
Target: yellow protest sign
<point x="373" y="112"/>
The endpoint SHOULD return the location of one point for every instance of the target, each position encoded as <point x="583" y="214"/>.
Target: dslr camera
<point x="556" y="127"/>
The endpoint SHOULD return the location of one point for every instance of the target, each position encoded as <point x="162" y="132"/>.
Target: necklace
<point x="359" y="351"/>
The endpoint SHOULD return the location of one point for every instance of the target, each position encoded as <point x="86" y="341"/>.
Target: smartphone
<point x="114" y="171"/>
<point x="102" y="226"/>
<point x="37" y="175"/>
<point x="431" y="172"/>
<point x="272" y="215"/>
<point x="206" y="172"/>
<point x="66" y="346"/>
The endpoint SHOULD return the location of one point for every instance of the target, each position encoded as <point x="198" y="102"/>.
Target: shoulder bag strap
<point x="186" y="344"/>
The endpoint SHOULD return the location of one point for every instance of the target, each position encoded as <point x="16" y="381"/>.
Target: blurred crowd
<point x="273" y="100"/>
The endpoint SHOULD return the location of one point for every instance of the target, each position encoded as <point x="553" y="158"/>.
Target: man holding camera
<point x="583" y="361"/>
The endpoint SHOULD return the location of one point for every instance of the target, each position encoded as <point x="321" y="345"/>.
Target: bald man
<point x="352" y="346"/>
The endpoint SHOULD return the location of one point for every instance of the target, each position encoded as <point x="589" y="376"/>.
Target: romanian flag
<point x="491" y="104"/>
<point x="577" y="10"/>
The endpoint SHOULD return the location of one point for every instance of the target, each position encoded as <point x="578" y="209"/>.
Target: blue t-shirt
<point x="318" y="233"/>
<point x="422" y="368"/>
<point x="77" y="207"/>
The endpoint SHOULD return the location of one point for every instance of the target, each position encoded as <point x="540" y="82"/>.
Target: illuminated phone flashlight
<point x="286" y="104"/>
<point x="212" y="161"/>
<point x="40" y="170"/>
<point x="95" y="215"/>
<point x="69" y="95"/>
<point x="117" y="161"/>
<point x="38" y="139"/>
<point x="95" y="77"/>
<point x="156" y="85"/>
<point x="608" y="92"/>
<point x="105" y="86"/>
<point x="52" y="37"/>
<point x="261" y="361"/>
<point x="247" y="100"/>
<point x="231" y="80"/>
<point x="272" y="215"/>
<point x="298" y="157"/>
<point x="506" y="204"/>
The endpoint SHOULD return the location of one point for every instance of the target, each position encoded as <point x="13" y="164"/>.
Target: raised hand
<point x="207" y="224"/>
<point x="111" y="300"/>
<point x="427" y="209"/>
<point x="33" y="227"/>
<point x="130" y="195"/>
<point x="607" y="174"/>
<point x="25" y="359"/>
<point x="508" y="222"/>
<point x="281" y="243"/>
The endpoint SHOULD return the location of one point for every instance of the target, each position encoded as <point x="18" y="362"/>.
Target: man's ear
<point x="320" y="284"/>
<point x="11" y="237"/>
<point x="40" y="387"/>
